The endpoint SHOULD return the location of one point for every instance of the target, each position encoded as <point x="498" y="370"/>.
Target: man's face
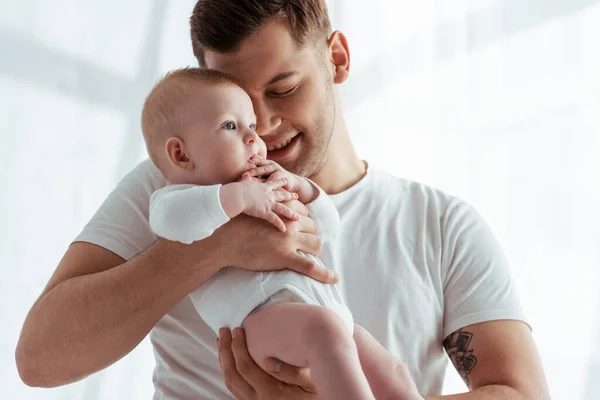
<point x="292" y="93"/>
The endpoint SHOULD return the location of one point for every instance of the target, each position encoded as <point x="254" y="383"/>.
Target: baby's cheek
<point x="263" y="150"/>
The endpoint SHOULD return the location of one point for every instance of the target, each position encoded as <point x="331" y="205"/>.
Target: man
<point x="420" y="269"/>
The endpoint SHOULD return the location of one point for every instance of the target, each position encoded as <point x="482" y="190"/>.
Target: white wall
<point x="498" y="102"/>
<point x="73" y="75"/>
<point x="495" y="101"/>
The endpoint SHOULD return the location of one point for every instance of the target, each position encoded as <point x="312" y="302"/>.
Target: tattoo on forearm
<point x="457" y="347"/>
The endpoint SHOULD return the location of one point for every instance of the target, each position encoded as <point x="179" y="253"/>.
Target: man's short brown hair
<point x="222" y="25"/>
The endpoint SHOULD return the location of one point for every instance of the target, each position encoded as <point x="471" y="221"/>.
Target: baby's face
<point x="220" y="135"/>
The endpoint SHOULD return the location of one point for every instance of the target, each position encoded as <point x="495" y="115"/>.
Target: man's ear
<point x="177" y="155"/>
<point x="339" y="56"/>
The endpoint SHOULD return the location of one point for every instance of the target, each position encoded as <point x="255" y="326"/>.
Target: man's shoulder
<point x="428" y="204"/>
<point x="146" y="170"/>
<point x="406" y="190"/>
<point x="134" y="190"/>
<point x="143" y="178"/>
<point x="121" y="223"/>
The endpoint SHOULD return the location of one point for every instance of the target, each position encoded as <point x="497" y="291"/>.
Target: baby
<point x="200" y="131"/>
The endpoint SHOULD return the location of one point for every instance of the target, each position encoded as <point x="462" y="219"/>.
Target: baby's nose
<point x="250" y="138"/>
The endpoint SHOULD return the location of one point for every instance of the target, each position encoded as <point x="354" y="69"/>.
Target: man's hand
<point x="253" y="244"/>
<point x="387" y="375"/>
<point x="247" y="381"/>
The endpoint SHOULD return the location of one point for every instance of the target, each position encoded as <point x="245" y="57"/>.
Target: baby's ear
<point x="176" y="154"/>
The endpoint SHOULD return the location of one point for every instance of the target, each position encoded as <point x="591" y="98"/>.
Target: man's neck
<point x="343" y="168"/>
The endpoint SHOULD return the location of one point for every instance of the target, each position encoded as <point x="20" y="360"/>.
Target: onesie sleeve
<point x="323" y="211"/>
<point x="186" y="213"/>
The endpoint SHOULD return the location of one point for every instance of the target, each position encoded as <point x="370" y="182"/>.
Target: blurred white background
<point x="496" y="101"/>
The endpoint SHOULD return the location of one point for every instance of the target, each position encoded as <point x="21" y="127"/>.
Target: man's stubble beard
<point x="315" y="154"/>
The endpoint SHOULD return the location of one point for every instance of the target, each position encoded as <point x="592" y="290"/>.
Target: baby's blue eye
<point x="230" y="126"/>
<point x="253" y="127"/>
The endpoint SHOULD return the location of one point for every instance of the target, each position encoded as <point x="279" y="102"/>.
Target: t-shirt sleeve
<point x="121" y="223"/>
<point x="323" y="211"/>
<point x="478" y="285"/>
<point x="186" y="213"/>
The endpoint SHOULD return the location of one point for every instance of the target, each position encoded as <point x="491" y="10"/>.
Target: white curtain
<point x="73" y="76"/>
<point x="496" y="101"/>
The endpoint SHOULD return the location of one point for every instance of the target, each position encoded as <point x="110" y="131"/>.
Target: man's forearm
<point x="88" y="322"/>
<point x="491" y="392"/>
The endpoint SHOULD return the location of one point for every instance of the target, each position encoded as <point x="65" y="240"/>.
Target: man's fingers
<point x="236" y="394"/>
<point x="234" y="381"/>
<point x="307" y="225"/>
<point x="284" y="211"/>
<point x="304" y="265"/>
<point x="309" y="243"/>
<point x="246" y="366"/>
<point x="290" y="374"/>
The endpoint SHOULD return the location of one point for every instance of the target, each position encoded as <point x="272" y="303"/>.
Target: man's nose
<point x="267" y="119"/>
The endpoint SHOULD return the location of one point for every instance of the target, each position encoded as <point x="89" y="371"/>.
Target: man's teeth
<point x="279" y="146"/>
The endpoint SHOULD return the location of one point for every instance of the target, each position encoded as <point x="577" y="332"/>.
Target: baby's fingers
<point x="275" y="220"/>
<point x="261" y="161"/>
<point x="277" y="183"/>
<point x="263" y="170"/>
<point x="284" y="195"/>
<point x="285" y="211"/>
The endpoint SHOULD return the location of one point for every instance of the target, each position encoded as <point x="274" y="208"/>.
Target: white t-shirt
<point x="187" y="213"/>
<point x="416" y="265"/>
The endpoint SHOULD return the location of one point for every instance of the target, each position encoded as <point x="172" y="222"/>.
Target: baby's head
<point x="199" y="127"/>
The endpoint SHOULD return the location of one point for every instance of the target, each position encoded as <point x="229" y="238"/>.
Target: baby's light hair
<point x="161" y="117"/>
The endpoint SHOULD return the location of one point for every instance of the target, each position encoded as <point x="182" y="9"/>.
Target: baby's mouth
<point x="251" y="162"/>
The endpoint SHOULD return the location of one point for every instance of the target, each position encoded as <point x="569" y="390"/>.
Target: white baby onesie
<point x="187" y="213"/>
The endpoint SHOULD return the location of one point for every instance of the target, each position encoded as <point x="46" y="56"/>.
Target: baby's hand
<point x="263" y="200"/>
<point x="295" y="184"/>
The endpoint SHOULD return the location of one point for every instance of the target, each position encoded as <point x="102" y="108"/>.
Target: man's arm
<point x="96" y="308"/>
<point x="494" y="351"/>
<point x="497" y="360"/>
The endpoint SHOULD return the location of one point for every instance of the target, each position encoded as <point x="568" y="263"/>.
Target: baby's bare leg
<point x="387" y="376"/>
<point x="311" y="336"/>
